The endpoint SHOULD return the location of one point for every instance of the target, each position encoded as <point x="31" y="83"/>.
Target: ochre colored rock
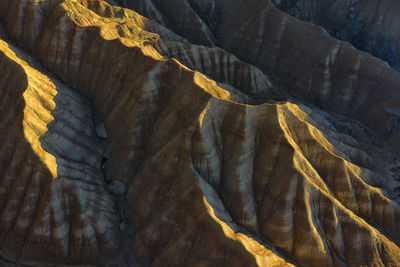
<point x="312" y="66"/>
<point x="257" y="153"/>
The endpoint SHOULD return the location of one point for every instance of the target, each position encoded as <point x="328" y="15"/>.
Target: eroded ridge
<point x="370" y="26"/>
<point x="301" y="57"/>
<point x="54" y="206"/>
<point x="212" y="177"/>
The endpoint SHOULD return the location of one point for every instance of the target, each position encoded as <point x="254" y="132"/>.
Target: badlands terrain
<point x="199" y="133"/>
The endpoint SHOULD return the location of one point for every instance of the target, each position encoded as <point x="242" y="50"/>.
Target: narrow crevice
<point x="118" y="189"/>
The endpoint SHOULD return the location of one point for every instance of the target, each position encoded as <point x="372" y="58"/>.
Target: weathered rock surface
<point x="54" y="205"/>
<point x="276" y="149"/>
<point x="371" y="26"/>
<point x="301" y="57"/>
<point x="101" y="130"/>
<point x="117" y="187"/>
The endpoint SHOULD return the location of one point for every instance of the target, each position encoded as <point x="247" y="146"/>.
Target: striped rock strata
<point x="224" y="163"/>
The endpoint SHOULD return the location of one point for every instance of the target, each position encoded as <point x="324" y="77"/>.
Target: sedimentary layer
<point x="225" y="163"/>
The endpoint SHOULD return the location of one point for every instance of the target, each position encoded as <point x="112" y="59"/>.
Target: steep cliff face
<point x="138" y="142"/>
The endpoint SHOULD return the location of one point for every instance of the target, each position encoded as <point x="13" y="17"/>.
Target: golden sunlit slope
<point x="54" y="207"/>
<point x="38" y="107"/>
<point x="211" y="180"/>
<point x="311" y="65"/>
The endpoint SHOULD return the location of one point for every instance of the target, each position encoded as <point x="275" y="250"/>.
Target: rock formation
<point x="192" y="133"/>
<point x="301" y="57"/>
<point x="371" y="26"/>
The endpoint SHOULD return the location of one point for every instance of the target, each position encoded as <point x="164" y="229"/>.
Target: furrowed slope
<point x="210" y="179"/>
<point x="371" y="26"/>
<point x="54" y="205"/>
<point x="301" y="57"/>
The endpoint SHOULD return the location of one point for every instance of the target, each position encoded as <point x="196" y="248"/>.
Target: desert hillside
<point x="199" y="133"/>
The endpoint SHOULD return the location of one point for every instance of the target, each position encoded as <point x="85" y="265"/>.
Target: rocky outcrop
<point x="210" y="157"/>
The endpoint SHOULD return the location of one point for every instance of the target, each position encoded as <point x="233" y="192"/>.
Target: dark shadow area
<point x="353" y="22"/>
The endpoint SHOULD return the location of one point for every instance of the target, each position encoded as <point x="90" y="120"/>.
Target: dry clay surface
<point x="126" y="141"/>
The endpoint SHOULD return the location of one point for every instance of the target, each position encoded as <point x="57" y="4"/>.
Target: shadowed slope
<point x="55" y="208"/>
<point x="371" y="26"/>
<point x="212" y="181"/>
<point x="301" y="57"/>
